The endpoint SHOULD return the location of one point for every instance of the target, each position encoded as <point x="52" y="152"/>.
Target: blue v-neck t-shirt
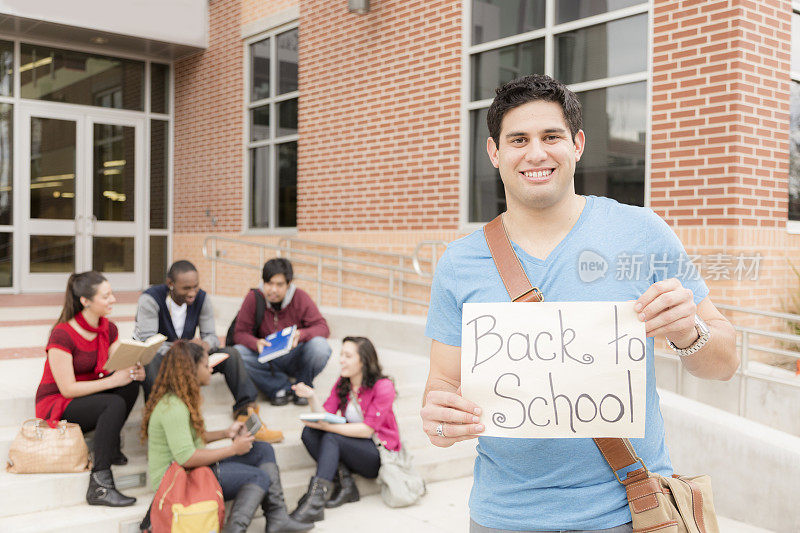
<point x="614" y="252"/>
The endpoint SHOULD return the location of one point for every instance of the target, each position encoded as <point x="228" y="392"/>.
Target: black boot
<point x="348" y="492"/>
<point x="102" y="491"/>
<point x="119" y="459"/>
<point x="278" y="520"/>
<point x="312" y="505"/>
<point x="244" y="507"/>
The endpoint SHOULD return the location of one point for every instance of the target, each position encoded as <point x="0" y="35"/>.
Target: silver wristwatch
<point x="704" y="334"/>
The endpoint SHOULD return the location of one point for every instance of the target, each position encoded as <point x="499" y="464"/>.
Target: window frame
<point x="548" y="33"/>
<point x="792" y="226"/>
<point x="273" y="140"/>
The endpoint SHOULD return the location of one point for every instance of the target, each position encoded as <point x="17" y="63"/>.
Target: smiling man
<point x="560" y="484"/>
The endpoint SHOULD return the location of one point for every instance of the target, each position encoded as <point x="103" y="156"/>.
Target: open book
<point x="280" y="344"/>
<point x="323" y="417"/>
<point x="129" y="352"/>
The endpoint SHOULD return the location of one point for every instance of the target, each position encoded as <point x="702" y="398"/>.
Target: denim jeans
<point x="235" y="472"/>
<point x="304" y="363"/>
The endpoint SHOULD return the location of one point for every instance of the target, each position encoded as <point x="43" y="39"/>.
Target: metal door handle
<point x="92" y="221"/>
<point x="78" y="224"/>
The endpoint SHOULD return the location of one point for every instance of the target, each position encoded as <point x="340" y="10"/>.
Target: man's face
<point x="275" y="288"/>
<point x="536" y="156"/>
<point x="183" y="289"/>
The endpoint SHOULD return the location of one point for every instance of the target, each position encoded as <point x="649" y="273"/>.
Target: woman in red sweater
<point x="76" y="388"/>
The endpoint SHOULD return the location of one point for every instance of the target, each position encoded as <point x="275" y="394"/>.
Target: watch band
<point x="703" y="332"/>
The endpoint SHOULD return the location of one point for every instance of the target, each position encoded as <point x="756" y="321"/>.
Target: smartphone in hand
<point x="252" y="424"/>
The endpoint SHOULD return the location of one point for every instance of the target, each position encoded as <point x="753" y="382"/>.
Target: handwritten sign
<point x="555" y="369"/>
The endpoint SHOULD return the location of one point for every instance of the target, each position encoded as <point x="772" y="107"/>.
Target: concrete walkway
<point x="443" y="510"/>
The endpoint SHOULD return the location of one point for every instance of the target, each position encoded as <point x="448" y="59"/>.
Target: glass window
<point x="794" y="154"/>
<point x="114" y="174"/>
<point x="52" y="168"/>
<point x="6" y="68"/>
<point x="567" y="10"/>
<point x="112" y="254"/>
<point x="287" y="61"/>
<point x="158" y="259"/>
<point x="52" y="253"/>
<point x="259" y="123"/>
<point x="287" y="117"/>
<point x="487" y="196"/>
<point x="602" y="51"/>
<point x="6" y="259"/>
<point x="495" y="67"/>
<point x="259" y="70"/>
<point x="80" y="78"/>
<point x="495" y="19"/>
<point x="613" y="162"/>
<point x="259" y="187"/>
<point x="287" y="184"/>
<point x="159" y="88"/>
<point x="272" y="132"/>
<point x="6" y="163"/>
<point x="159" y="173"/>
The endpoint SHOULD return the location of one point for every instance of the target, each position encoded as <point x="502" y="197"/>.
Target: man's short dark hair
<point x="530" y="89"/>
<point x="178" y="268"/>
<point x="278" y="265"/>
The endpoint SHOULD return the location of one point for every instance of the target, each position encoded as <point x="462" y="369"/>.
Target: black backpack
<point x="261" y="307"/>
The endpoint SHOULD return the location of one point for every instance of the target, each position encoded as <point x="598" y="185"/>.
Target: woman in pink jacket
<point x="364" y="396"/>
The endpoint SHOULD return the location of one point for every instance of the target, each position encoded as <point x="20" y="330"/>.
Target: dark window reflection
<point x="6" y="162"/>
<point x="602" y="51"/>
<point x="613" y="162"/>
<point x="158" y="259"/>
<point x="6" y="259"/>
<point x="114" y="172"/>
<point x="259" y="70"/>
<point x="159" y="179"/>
<point x="794" y="154"/>
<point x="259" y="123"/>
<point x="52" y="253"/>
<point x="6" y="68"/>
<point x="496" y="67"/>
<point x="52" y="168"/>
<point x="113" y="254"/>
<point x="494" y="19"/>
<point x="259" y="187"/>
<point x="287" y="61"/>
<point x="287" y="117"/>
<point x="486" y="194"/>
<point x="287" y="185"/>
<point x="567" y="10"/>
<point x="159" y="88"/>
<point x="80" y="78"/>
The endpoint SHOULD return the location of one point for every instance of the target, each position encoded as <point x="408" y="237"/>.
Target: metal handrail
<point x="338" y="261"/>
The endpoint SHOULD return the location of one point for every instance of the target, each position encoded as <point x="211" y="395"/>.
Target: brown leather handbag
<point x="678" y="504"/>
<point x="40" y="449"/>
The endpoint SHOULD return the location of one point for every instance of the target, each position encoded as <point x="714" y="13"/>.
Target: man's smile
<point x="538" y="175"/>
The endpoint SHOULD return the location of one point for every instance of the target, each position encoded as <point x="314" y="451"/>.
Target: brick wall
<point x="209" y="128"/>
<point x="721" y="112"/>
<point x="253" y="10"/>
<point x="379" y="115"/>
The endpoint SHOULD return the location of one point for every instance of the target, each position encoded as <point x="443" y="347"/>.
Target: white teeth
<point x="540" y="174"/>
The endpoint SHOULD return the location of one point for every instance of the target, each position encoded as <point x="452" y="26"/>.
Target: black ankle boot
<point x="348" y="492"/>
<point x="243" y="509"/>
<point x="119" y="459"/>
<point x="102" y="491"/>
<point x="274" y="506"/>
<point x="312" y="505"/>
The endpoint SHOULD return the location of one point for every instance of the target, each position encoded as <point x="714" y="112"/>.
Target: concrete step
<point x="23" y="336"/>
<point x="51" y="312"/>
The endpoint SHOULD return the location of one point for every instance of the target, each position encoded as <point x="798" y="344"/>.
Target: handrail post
<point x="744" y="373"/>
<point x="319" y="280"/>
<point x="213" y="266"/>
<point x="391" y="290"/>
<point x="400" y="290"/>
<point x="339" y="275"/>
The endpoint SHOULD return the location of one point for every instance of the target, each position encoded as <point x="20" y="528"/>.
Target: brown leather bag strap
<point x="619" y="453"/>
<point x="516" y="282"/>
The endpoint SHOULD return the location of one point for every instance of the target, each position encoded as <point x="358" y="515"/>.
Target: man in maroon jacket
<point x="286" y="306"/>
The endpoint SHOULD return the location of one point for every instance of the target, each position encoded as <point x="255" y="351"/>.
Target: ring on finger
<point x="440" y="430"/>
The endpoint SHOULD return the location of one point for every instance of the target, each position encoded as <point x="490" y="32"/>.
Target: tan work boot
<point x="263" y="434"/>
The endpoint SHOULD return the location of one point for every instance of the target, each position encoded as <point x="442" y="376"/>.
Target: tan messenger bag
<point x="658" y="504"/>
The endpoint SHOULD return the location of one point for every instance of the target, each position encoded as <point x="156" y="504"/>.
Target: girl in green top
<point x="246" y="468"/>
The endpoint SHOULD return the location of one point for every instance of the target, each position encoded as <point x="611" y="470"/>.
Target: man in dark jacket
<point x="177" y="309"/>
<point x="286" y="306"/>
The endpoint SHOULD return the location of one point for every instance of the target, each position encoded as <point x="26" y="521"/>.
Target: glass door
<point x="82" y="177"/>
